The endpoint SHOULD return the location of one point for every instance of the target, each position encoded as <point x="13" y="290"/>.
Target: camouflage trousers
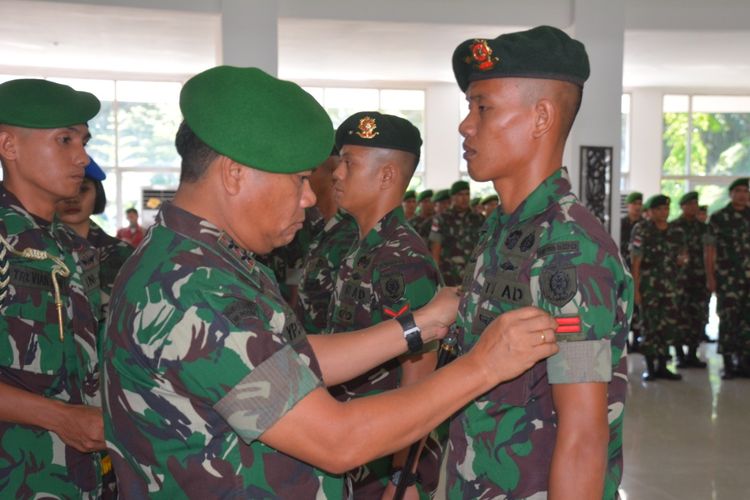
<point x="660" y="323"/>
<point x="693" y="309"/>
<point x="733" y="308"/>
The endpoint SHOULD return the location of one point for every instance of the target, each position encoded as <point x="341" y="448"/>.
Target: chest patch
<point x="392" y="286"/>
<point x="559" y="284"/>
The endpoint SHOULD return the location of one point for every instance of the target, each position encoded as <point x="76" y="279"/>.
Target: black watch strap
<point x="398" y="475"/>
<point x="412" y="333"/>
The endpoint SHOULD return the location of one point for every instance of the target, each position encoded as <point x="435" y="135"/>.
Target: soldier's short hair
<point x="196" y="155"/>
<point x="100" y="197"/>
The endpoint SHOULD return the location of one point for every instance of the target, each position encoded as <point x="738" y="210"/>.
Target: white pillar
<point x="249" y="34"/>
<point x="443" y="145"/>
<point x="599" y="24"/>
<point x="646" y="140"/>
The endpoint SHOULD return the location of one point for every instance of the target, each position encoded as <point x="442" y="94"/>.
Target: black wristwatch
<point x="412" y="333"/>
<point x="399" y="475"/>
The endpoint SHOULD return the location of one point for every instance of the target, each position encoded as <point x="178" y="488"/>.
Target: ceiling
<point x="75" y="39"/>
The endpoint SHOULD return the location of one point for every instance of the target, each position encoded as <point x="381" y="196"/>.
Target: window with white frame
<point x="705" y="146"/>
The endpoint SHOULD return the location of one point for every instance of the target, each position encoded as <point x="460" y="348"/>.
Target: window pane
<point x="108" y="219"/>
<point x="721" y="140"/>
<point x="148" y="117"/>
<point x="674" y="143"/>
<point x="402" y="99"/>
<point x="674" y="189"/>
<point x="716" y="197"/>
<point x="340" y="103"/>
<point x="317" y="92"/>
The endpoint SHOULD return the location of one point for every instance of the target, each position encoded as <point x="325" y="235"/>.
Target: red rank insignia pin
<point x="481" y="56"/>
<point x="568" y="324"/>
<point x="395" y="314"/>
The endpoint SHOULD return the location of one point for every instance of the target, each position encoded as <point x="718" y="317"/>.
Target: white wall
<point x="645" y="140"/>
<point x="443" y="144"/>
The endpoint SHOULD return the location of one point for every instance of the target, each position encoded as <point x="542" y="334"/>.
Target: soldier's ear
<point x="231" y="174"/>
<point x="8" y="146"/>
<point x="545" y="116"/>
<point x="387" y="175"/>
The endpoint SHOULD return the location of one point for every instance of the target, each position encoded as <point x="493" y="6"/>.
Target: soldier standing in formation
<point x="422" y="221"/>
<point x="692" y="294"/>
<point x="387" y="274"/>
<point x="658" y="253"/>
<point x="557" y="428"/>
<point x="51" y="427"/>
<point x="441" y="201"/>
<point x="489" y="204"/>
<point x="454" y="234"/>
<point x="197" y="325"/>
<point x="728" y="274"/>
<point x="634" y="201"/>
<point x="409" y="204"/>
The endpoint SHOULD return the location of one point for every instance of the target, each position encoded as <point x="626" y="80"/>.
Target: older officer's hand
<point x="439" y="314"/>
<point x="513" y="342"/>
<point x="80" y="427"/>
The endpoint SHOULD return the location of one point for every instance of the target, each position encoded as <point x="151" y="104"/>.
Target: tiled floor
<point x="688" y="439"/>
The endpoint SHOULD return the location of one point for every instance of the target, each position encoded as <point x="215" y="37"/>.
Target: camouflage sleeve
<point x="579" y="284"/>
<point x="636" y="241"/>
<point x="229" y="357"/>
<point x="709" y="237"/>
<point x="435" y="235"/>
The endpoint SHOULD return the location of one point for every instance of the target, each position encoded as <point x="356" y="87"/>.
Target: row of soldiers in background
<point x="676" y="266"/>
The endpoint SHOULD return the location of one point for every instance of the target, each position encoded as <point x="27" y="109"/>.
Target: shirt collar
<point x="384" y="227"/>
<point x="546" y="194"/>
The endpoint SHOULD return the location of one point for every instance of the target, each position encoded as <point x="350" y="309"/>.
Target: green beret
<point x="633" y="197"/>
<point x="543" y="52"/>
<point x="442" y="195"/>
<point x="376" y="130"/>
<point x="459" y="186"/>
<point x="688" y="197"/>
<point x="475" y="201"/>
<point x="257" y="120"/>
<point x="743" y="181"/>
<point x="410" y="195"/>
<point x="35" y="103"/>
<point x="703" y="208"/>
<point x="489" y="198"/>
<point x="426" y="194"/>
<point x="655" y="201"/>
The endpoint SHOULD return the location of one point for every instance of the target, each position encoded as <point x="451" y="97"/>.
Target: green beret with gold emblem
<point x="257" y="120"/>
<point x="378" y="130"/>
<point x="742" y="181"/>
<point x="459" y="186"/>
<point x="426" y="194"/>
<point x="475" y="201"/>
<point x="633" y="197"/>
<point x="36" y="103"/>
<point x="442" y="195"/>
<point x="688" y="197"/>
<point x="543" y="52"/>
<point x="410" y="195"/>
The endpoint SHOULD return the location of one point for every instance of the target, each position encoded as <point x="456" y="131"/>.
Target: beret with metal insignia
<point x="443" y="194"/>
<point x="688" y="197"/>
<point x="543" y="52"/>
<point x="410" y="195"/>
<point x="426" y="194"/>
<point x="35" y="103"/>
<point x="742" y="181"/>
<point x="459" y="186"/>
<point x="377" y="130"/>
<point x="657" y="200"/>
<point x="257" y="120"/>
<point x="633" y="197"/>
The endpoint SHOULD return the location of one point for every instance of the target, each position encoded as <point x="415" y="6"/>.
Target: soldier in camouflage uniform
<point x="692" y="294"/>
<point x="658" y="254"/>
<point x="211" y="387"/>
<point x="728" y="274"/>
<point x="441" y="201"/>
<point x="51" y="427"/>
<point x="422" y="221"/>
<point x="409" y="204"/>
<point x="387" y="274"/>
<point x="454" y="234"/>
<point x="634" y="201"/>
<point x="558" y="427"/>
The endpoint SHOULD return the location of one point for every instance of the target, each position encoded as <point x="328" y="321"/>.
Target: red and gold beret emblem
<point x="366" y="128"/>
<point x="481" y="56"/>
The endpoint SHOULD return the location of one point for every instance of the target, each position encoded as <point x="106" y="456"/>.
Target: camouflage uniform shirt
<point x="319" y="271"/>
<point x="423" y="226"/>
<point x="659" y="276"/>
<point x="201" y="356"/>
<point x="729" y="233"/>
<point x="551" y="253"/>
<point x="457" y="233"/>
<point x="112" y="255"/>
<point x="692" y="294"/>
<point x="34" y="462"/>
<point x="386" y="274"/>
